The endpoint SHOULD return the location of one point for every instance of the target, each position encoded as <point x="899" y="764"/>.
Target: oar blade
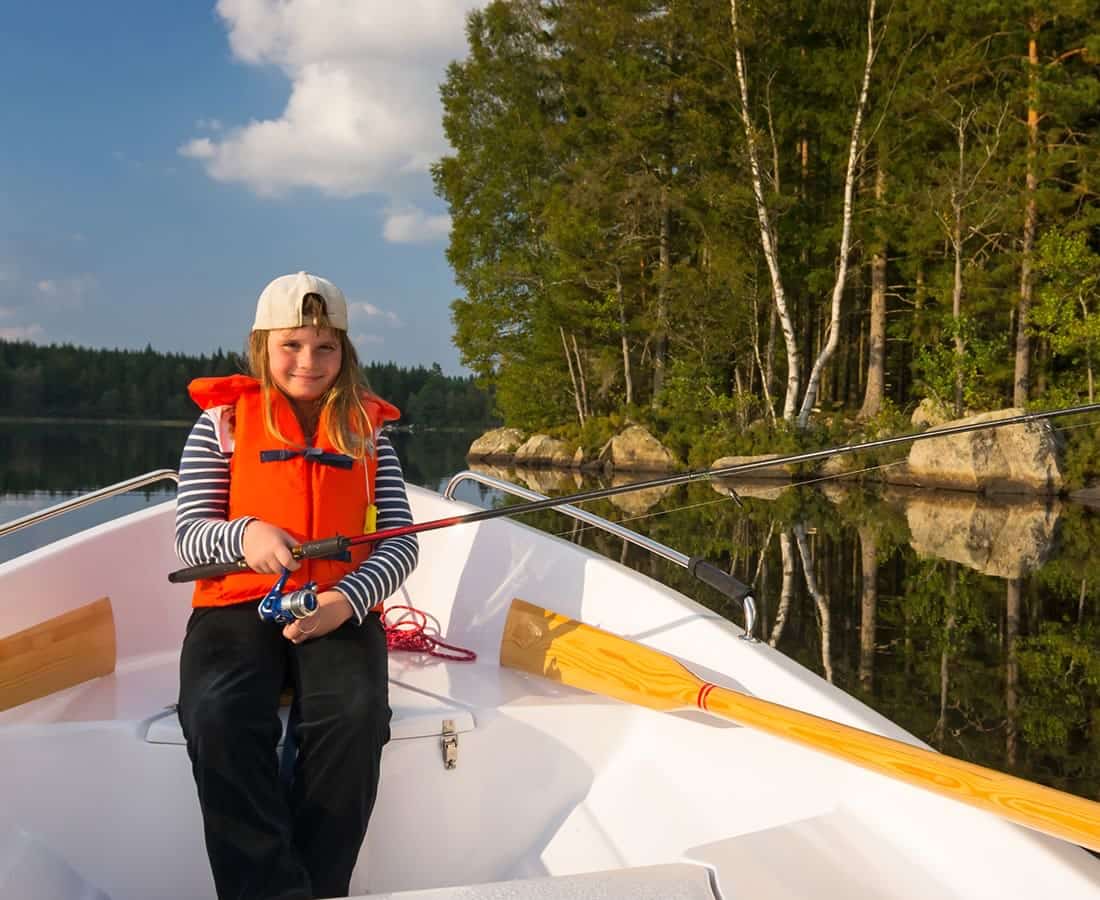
<point x="64" y="651"/>
<point x="544" y="643"/>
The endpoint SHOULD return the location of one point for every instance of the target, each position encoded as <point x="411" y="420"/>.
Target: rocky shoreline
<point x="1022" y="459"/>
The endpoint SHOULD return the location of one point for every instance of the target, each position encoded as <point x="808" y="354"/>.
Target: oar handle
<point x="1044" y="809"/>
<point x="333" y="546"/>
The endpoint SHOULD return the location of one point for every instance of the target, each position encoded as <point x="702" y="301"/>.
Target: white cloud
<point x="199" y="148"/>
<point x="63" y="293"/>
<point x="372" y="311"/>
<point x="6" y="312"/>
<point x="363" y="110"/>
<point x="414" y="226"/>
<point x="21" y="332"/>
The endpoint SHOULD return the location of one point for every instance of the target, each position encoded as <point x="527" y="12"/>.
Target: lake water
<point x="971" y="623"/>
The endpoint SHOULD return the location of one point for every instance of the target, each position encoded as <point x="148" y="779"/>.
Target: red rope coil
<point x="410" y="633"/>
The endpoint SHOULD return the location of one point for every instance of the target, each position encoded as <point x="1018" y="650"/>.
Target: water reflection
<point x="1003" y="538"/>
<point x="67" y="458"/>
<point x="42" y="464"/>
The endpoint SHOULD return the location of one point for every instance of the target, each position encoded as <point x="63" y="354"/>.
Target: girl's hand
<point x="267" y="548"/>
<point x="333" y="610"/>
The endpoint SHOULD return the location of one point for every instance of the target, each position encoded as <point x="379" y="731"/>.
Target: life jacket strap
<point x="313" y="454"/>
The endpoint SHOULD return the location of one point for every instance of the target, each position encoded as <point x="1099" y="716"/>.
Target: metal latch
<point x="448" y="743"/>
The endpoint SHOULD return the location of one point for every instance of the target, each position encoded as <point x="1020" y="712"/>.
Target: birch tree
<point x="769" y="239"/>
<point x="769" y="236"/>
<point x="850" y="175"/>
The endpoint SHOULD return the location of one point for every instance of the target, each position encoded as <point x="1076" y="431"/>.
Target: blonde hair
<point x="349" y="429"/>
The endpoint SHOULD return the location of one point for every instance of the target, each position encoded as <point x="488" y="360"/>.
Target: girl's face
<point x="304" y="361"/>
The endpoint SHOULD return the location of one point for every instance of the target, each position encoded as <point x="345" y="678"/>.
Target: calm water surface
<point x="972" y="624"/>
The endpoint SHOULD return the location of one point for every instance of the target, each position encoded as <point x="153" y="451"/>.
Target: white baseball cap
<point x="280" y="304"/>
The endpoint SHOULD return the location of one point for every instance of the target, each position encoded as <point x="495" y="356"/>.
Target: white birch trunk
<point x="846" y="230"/>
<point x="767" y="235"/>
<point x="572" y="376"/>
<point x="580" y="378"/>
<point x="627" y="378"/>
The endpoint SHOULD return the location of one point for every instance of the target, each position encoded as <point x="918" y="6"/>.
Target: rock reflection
<point x="636" y="503"/>
<point x="1004" y="539"/>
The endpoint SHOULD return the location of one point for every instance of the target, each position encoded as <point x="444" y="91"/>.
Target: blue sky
<point x="161" y="161"/>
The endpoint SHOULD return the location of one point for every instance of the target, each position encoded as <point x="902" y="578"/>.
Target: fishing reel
<point x="285" y="608"/>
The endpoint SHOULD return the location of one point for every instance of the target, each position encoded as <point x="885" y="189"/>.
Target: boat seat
<point x="675" y="881"/>
<point x="416" y="714"/>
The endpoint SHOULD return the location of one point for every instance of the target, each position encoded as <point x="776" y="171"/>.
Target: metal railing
<point x="88" y="499"/>
<point x="631" y="537"/>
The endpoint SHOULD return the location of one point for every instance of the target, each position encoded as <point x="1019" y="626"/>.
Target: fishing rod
<point x="334" y="546"/>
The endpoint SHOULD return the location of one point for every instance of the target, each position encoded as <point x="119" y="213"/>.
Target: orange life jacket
<point x="310" y="492"/>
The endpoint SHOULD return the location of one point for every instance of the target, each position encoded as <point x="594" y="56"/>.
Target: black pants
<point x="263" y="840"/>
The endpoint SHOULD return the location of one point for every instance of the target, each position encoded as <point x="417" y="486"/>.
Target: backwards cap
<point x="280" y="304"/>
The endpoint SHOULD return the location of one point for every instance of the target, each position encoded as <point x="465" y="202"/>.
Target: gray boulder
<point x="635" y="449"/>
<point x="496" y="445"/>
<point x="1021" y="459"/>
<point x="543" y="450"/>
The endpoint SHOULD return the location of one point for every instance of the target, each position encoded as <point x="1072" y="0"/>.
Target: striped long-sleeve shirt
<point x="205" y="534"/>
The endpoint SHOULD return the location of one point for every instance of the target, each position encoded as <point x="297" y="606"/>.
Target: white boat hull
<point x="550" y="782"/>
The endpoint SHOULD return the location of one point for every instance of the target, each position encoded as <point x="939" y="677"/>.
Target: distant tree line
<point x="714" y="212"/>
<point x="68" y="381"/>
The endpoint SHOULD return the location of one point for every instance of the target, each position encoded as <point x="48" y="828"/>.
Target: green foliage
<point x="1081" y="455"/>
<point x="938" y="366"/>
<point x="600" y="192"/>
<point x="1066" y="314"/>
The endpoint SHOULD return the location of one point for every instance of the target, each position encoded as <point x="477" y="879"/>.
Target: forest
<point x="728" y="219"/>
<point x="78" y="382"/>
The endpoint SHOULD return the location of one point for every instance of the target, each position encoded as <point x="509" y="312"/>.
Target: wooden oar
<point x="545" y="643"/>
<point x="56" y="654"/>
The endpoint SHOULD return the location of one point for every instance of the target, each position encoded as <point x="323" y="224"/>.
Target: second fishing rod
<point x="338" y="544"/>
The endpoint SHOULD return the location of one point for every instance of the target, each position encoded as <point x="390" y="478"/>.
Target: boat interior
<point x="496" y="783"/>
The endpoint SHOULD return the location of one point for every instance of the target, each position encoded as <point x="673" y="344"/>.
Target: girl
<point x="291" y="454"/>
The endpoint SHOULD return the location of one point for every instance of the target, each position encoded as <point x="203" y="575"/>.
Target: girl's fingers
<point x="283" y="557"/>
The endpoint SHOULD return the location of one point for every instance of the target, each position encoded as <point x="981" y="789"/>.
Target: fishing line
<point x="778" y="483"/>
<point x="835" y="477"/>
<point x="1082" y="425"/>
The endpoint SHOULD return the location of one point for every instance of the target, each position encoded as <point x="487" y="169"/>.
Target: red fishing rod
<point x="334" y="546"/>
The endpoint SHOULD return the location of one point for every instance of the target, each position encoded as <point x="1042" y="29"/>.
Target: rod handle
<point x="332" y="546"/>
<point x="207" y="570"/>
<point x="708" y="573"/>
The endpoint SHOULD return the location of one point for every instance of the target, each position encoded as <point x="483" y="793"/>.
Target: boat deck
<point x="550" y="784"/>
<point x="546" y="784"/>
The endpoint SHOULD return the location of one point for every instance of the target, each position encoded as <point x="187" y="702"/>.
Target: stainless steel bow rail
<point x="697" y="566"/>
<point x="73" y="503"/>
